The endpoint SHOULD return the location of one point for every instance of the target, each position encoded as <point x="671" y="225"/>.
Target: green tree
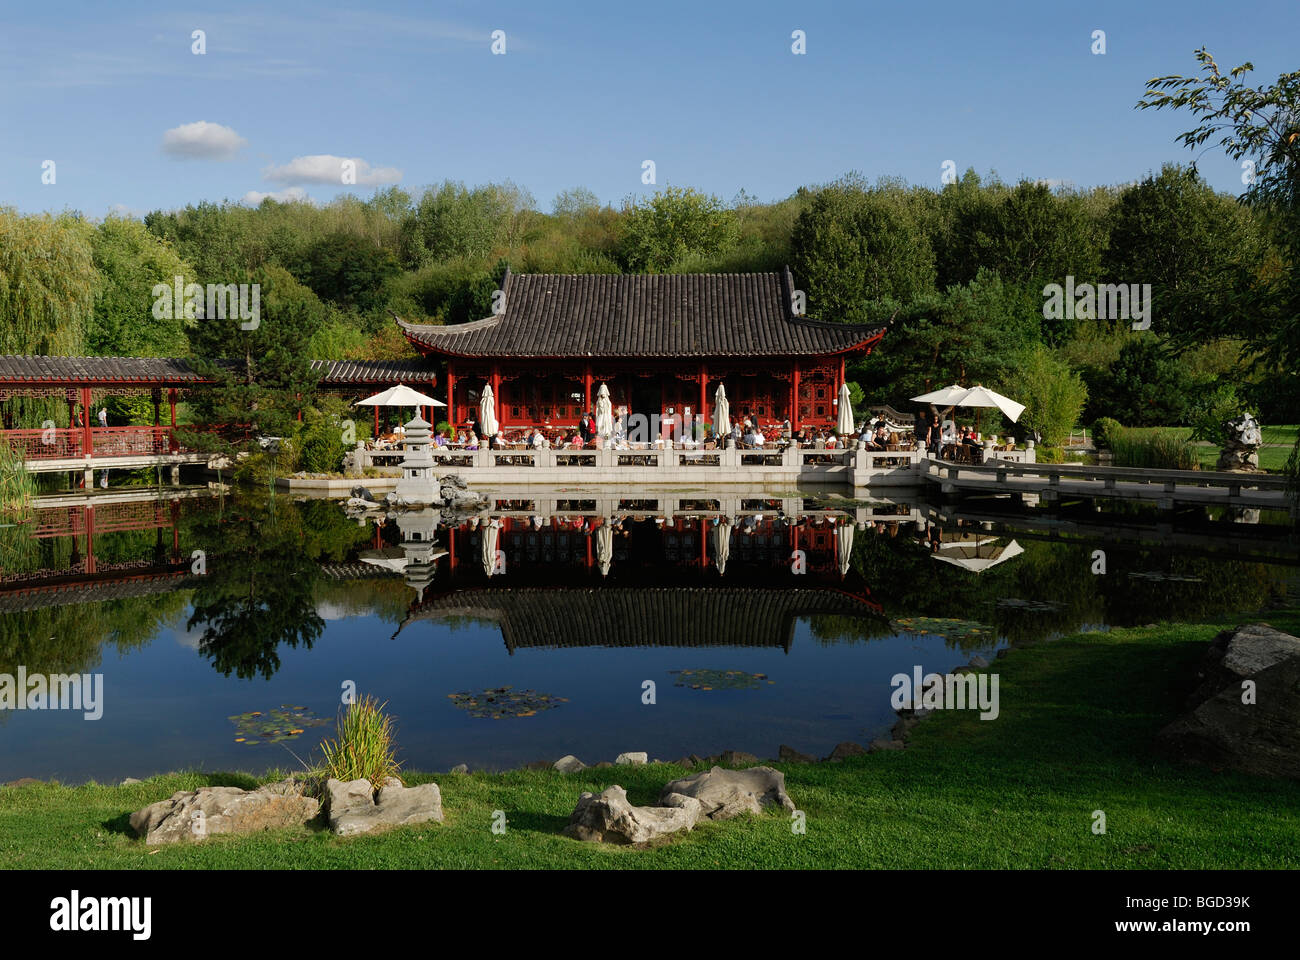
<point x="47" y="283"/>
<point x="348" y="270"/>
<point x="131" y="261"/>
<point x="673" y="224"/>
<point x="1053" y="395"/>
<point x="853" y="246"/>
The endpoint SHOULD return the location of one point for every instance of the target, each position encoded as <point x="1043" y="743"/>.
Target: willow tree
<point x="47" y="283"/>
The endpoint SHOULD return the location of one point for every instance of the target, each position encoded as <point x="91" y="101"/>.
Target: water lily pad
<point x="286" y="722"/>
<point x="1033" y="606"/>
<point x="719" y="679"/>
<point x="499" y="702"/>
<point x="947" y="627"/>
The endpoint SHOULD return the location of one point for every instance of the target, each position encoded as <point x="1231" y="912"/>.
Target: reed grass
<point x="365" y="748"/>
<point x="1153" y="450"/>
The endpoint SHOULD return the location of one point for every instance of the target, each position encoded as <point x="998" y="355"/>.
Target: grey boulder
<point x="631" y="759"/>
<point x="193" y="815"/>
<point x="353" y="807"/>
<point x="568" y="764"/>
<point x="724" y="794"/>
<point x="608" y="817"/>
<point x="1262" y="737"/>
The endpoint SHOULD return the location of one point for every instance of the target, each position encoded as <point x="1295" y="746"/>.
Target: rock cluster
<point x="1245" y="712"/>
<point x="715" y="794"/>
<point x="194" y="815"/>
<point x="355" y="807"/>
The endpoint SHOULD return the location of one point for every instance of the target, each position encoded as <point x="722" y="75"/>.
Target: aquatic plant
<point x="365" y="748"/>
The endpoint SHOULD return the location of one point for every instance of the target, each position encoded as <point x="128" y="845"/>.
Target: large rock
<point x="568" y="764"/>
<point x="724" y="794"/>
<point x="198" y="814"/>
<point x="1261" y="737"/>
<point x="634" y="758"/>
<point x="608" y="817"/>
<point x="353" y="808"/>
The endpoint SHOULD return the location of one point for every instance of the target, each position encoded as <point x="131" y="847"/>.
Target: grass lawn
<point x="1074" y="735"/>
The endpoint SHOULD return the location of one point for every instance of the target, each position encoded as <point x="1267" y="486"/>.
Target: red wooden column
<point x="794" y="398"/>
<point x="586" y="388"/>
<point x="171" y="402"/>
<point x="451" y="398"/>
<point x="704" y="393"/>
<point x="89" y="448"/>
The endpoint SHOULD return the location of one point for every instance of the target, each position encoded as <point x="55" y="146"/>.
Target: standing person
<point x="103" y="416"/>
<point x="934" y="436"/>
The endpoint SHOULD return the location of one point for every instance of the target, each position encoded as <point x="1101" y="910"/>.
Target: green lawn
<point x="1074" y="735"/>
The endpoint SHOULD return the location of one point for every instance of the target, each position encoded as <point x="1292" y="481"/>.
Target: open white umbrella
<point x="487" y="413"/>
<point x="399" y="396"/>
<point x="605" y="547"/>
<point x="721" y="412"/>
<point x="488" y="544"/>
<point x="844" y="420"/>
<point x="947" y="397"/>
<point x="721" y="545"/>
<point x="604" y="413"/>
<point x="844" y="546"/>
<point x="984" y="397"/>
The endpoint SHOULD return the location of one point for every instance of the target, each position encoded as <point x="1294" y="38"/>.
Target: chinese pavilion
<point x="661" y="343"/>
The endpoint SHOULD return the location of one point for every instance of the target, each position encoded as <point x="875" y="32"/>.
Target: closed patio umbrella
<point x="844" y="546"/>
<point x="844" y="421"/>
<point x="722" y="543"/>
<point x="605" y="547"/>
<point x="721" y="412"/>
<point x="488" y="544"/>
<point x="487" y="413"/>
<point x="604" y="413"/>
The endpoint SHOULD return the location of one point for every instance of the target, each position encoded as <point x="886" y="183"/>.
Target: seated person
<point x="441" y="439"/>
<point x="535" y="439"/>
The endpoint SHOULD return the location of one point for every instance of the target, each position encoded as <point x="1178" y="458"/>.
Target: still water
<point x="227" y="628"/>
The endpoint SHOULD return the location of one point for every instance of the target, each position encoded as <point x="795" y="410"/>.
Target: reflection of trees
<point x="905" y="578"/>
<point x="258" y="592"/>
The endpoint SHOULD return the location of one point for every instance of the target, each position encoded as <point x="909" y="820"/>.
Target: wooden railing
<point x="69" y="443"/>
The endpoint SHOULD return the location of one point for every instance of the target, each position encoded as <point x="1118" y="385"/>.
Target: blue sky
<point x="585" y="92"/>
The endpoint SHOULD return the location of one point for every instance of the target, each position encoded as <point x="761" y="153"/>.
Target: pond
<point x="227" y="629"/>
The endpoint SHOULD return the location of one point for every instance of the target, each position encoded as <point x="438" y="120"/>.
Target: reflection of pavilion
<point x="670" y="609"/>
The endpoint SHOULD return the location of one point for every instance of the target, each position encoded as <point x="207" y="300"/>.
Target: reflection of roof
<point x="609" y="616"/>
<point x="637" y="315"/>
<point x="44" y="593"/>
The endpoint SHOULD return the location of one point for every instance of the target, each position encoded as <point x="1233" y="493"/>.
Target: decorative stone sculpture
<point x="1241" y="451"/>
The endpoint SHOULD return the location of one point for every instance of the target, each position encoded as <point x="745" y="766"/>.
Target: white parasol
<point x="984" y="397"/>
<point x="844" y="421"/>
<point x="721" y="412"/>
<point x="399" y="396"/>
<point x="487" y="413"/>
<point x="604" y="413"/>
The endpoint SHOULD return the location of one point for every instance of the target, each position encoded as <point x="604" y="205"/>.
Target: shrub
<point x="364" y="748"/>
<point x="1104" y="431"/>
<point x="17" y="486"/>
<point x="1052" y="393"/>
<point x="443" y="425"/>
<point x="1049" y="455"/>
<point x="1209" y="413"/>
<point x="1154" y="450"/>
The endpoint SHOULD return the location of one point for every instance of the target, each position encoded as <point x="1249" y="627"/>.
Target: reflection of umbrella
<point x="844" y="422"/>
<point x="721" y="412"/>
<point x="975" y="554"/>
<point x="390" y="558"/>
<point x="844" y="546"/>
<point x="605" y="547"/>
<point x="488" y="542"/>
<point x="721" y="543"/>
<point x="984" y="397"/>
<point x="487" y="413"/>
<point x="604" y="413"/>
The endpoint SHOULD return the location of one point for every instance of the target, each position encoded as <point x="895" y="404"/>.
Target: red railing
<point x="69" y="443"/>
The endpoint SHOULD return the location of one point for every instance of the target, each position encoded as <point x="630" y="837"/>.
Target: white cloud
<point x="1054" y="183"/>
<point x="290" y="195"/>
<point x="122" y="210"/>
<point x="202" y="141"/>
<point x="327" y="168"/>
